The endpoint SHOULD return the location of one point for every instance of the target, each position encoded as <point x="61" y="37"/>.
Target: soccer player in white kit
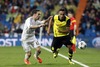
<point x="28" y="36"/>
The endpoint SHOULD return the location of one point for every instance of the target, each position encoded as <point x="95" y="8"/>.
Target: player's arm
<point x="67" y="27"/>
<point x="32" y="26"/>
<point x="36" y="26"/>
<point x="47" y="20"/>
<point x="74" y="24"/>
<point x="42" y="23"/>
<point x="75" y="28"/>
<point x="49" y="26"/>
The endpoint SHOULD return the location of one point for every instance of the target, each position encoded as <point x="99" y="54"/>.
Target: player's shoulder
<point x="73" y="19"/>
<point x="28" y="18"/>
<point x="55" y="16"/>
<point x="67" y="17"/>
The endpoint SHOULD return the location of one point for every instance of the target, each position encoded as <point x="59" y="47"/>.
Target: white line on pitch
<point x="66" y="57"/>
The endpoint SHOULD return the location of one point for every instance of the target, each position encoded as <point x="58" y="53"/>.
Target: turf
<point x="13" y="57"/>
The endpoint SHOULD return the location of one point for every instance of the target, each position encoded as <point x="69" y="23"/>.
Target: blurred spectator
<point x="1" y="29"/>
<point x="98" y="28"/>
<point x="96" y="3"/>
<point x="18" y="17"/>
<point x="6" y="30"/>
<point x="12" y="31"/>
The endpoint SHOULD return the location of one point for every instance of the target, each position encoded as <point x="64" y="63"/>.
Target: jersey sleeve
<point x="27" y="23"/>
<point x="74" y="22"/>
<point x="40" y="22"/>
<point x="68" y="23"/>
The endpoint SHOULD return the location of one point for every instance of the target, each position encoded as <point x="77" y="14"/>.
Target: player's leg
<point x="68" y="44"/>
<point x="73" y="40"/>
<point x="74" y="44"/>
<point x="27" y="56"/>
<point x="27" y="50"/>
<point x="70" y="53"/>
<point x="55" y="47"/>
<point x="74" y="48"/>
<point x="38" y="51"/>
<point x="55" y="53"/>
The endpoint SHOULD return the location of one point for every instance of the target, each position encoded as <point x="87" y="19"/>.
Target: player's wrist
<point x="39" y="25"/>
<point x="43" y="21"/>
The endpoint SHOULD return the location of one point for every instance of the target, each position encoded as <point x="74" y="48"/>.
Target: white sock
<point x="37" y="53"/>
<point x="26" y="57"/>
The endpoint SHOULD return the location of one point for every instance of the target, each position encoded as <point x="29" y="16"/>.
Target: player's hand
<point x="43" y="21"/>
<point x="59" y="31"/>
<point x="48" y="32"/>
<point x="41" y="25"/>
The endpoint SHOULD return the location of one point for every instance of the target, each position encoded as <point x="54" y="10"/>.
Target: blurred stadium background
<point x="12" y="17"/>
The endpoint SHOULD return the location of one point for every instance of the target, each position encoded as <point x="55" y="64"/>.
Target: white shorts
<point x="28" y="44"/>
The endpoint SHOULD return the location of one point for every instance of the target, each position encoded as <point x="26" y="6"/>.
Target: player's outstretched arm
<point x="37" y="26"/>
<point x="49" y="26"/>
<point x="45" y="22"/>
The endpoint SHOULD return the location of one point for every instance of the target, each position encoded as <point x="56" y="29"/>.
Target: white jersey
<point x="28" y="33"/>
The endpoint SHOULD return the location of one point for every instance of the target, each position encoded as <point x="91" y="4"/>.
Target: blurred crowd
<point x="14" y="12"/>
<point x="90" y="22"/>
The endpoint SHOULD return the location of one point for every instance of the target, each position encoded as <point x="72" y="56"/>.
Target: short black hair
<point x="71" y="11"/>
<point x="61" y="9"/>
<point x="35" y="11"/>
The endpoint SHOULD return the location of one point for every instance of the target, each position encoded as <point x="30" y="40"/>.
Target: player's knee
<point x="38" y="48"/>
<point x="39" y="51"/>
<point x="52" y="48"/>
<point x="58" y="49"/>
<point x="29" y="53"/>
<point x="69" y="46"/>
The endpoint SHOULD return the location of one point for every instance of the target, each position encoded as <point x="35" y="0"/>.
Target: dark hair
<point x="71" y="11"/>
<point x="62" y="9"/>
<point x="35" y="11"/>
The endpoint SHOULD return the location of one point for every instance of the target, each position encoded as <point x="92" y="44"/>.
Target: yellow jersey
<point x="59" y="25"/>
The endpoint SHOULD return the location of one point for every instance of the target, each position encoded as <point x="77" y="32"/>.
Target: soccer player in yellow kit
<point x="61" y="29"/>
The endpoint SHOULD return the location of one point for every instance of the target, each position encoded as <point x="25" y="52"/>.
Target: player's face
<point x="69" y="15"/>
<point x="61" y="14"/>
<point x="38" y="15"/>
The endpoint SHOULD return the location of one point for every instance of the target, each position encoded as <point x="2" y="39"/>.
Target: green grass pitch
<point x="13" y="57"/>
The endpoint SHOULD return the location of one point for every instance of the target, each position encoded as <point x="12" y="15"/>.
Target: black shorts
<point x="71" y="33"/>
<point x="59" y="41"/>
